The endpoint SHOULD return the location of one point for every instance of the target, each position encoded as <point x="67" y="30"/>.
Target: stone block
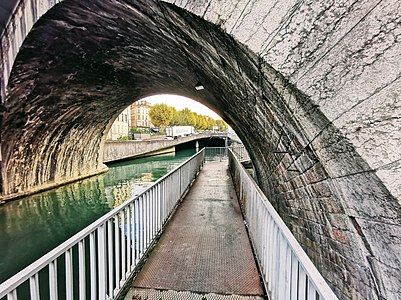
<point x="383" y="240"/>
<point x="260" y="20"/>
<point x="388" y="280"/>
<point x="374" y="126"/>
<point x="315" y="174"/>
<point x="226" y="13"/>
<point x="364" y="196"/>
<point x="314" y="28"/>
<point x="337" y="154"/>
<point x="331" y="205"/>
<point x="363" y="62"/>
<point x="390" y="175"/>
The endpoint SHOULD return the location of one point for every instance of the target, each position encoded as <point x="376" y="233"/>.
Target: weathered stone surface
<point x="374" y="127"/>
<point x="311" y="31"/>
<point x="389" y="174"/>
<point x="360" y="67"/>
<point x="373" y="203"/>
<point x="85" y="61"/>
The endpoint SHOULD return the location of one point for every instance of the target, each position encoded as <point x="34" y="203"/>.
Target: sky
<point x="180" y="102"/>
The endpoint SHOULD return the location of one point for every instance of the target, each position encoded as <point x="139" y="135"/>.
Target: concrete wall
<point x="119" y="150"/>
<point x="311" y="88"/>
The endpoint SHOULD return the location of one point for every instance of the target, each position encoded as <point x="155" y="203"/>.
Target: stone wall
<point x="311" y="89"/>
<point x="342" y="54"/>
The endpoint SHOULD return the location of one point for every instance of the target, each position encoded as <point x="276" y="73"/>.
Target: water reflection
<point x="34" y="225"/>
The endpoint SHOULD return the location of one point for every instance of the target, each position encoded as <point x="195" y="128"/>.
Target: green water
<point x="32" y="226"/>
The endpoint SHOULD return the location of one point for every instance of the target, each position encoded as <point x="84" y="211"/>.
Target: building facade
<point x="140" y="114"/>
<point x="121" y="126"/>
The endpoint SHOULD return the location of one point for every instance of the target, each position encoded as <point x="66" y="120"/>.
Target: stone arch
<point x="84" y="62"/>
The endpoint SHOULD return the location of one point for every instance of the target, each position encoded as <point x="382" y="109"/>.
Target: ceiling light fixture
<point x="199" y="86"/>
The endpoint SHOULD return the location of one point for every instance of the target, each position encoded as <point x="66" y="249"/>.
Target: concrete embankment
<point x="120" y="150"/>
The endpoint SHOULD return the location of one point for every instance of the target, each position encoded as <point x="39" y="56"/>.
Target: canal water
<point x="32" y="226"/>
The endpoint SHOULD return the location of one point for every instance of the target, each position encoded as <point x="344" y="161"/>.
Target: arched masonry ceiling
<point x="343" y="54"/>
<point x="86" y="60"/>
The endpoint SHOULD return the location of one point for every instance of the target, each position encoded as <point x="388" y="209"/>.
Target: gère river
<point x="32" y="226"/>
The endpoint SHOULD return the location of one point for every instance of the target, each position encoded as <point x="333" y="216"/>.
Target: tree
<point x="201" y="122"/>
<point x="175" y="118"/>
<point x="186" y="117"/>
<point x="161" y="115"/>
<point x="210" y="123"/>
<point x="222" y="125"/>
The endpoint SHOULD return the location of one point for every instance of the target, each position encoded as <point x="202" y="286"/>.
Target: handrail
<point x="240" y="152"/>
<point x="117" y="242"/>
<point x="287" y="271"/>
<point x="216" y="153"/>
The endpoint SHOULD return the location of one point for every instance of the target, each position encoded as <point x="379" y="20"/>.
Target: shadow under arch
<point x="84" y="62"/>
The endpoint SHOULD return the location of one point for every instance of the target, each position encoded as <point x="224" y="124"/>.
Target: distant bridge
<point x="120" y="150"/>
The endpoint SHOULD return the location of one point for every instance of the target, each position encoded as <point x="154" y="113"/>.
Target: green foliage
<point x="139" y="130"/>
<point x="201" y="123"/>
<point x="161" y="115"/>
<point x="122" y="138"/>
<point x="222" y="125"/>
<point x="210" y="123"/>
<point x="185" y="117"/>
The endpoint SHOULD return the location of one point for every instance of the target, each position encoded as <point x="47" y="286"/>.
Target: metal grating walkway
<point x="204" y="251"/>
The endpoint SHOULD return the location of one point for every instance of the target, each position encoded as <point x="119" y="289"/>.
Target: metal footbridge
<point x="203" y="231"/>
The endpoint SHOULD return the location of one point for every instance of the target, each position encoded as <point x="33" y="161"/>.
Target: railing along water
<point x="216" y="153"/>
<point x="97" y="262"/>
<point x="240" y="152"/>
<point x="287" y="271"/>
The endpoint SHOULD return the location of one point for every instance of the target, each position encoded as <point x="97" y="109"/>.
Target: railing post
<point x="82" y="271"/>
<point x="53" y="280"/>
<point x="34" y="287"/>
<point x="117" y="254"/>
<point x="180" y="180"/>
<point x="101" y="248"/>
<point x="110" y="256"/>
<point x="128" y="229"/>
<point x="12" y="295"/>
<point x="69" y="282"/>
<point x="92" y="255"/>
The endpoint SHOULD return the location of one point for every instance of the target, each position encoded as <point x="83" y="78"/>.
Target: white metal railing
<point x="240" y="152"/>
<point x="97" y="262"/>
<point x="287" y="271"/>
<point x="216" y="153"/>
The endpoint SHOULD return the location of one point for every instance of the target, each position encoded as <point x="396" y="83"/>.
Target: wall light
<point x="199" y="86"/>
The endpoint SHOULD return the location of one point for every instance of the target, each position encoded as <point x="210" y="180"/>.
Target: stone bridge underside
<point x="311" y="87"/>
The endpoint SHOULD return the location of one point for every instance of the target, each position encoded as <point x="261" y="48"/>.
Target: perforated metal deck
<point x="151" y="294"/>
<point x="204" y="251"/>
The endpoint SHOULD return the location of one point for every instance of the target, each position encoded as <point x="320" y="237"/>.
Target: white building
<point x="121" y="126"/>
